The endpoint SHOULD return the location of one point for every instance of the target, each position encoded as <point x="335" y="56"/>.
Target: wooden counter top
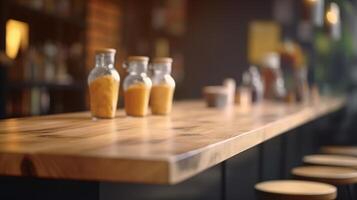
<point x="154" y="149"/>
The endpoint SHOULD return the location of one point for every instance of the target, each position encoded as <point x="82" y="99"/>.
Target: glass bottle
<point x="163" y="88"/>
<point x="137" y="86"/>
<point x="256" y="84"/>
<point x="103" y="83"/>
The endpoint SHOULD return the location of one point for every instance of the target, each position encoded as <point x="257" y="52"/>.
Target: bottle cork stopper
<point x="138" y="58"/>
<point x="162" y="60"/>
<point x="105" y="50"/>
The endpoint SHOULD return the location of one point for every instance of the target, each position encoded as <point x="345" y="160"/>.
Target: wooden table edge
<point x="168" y="171"/>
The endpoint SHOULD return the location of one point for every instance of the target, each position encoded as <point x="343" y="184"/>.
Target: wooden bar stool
<point x="334" y="160"/>
<point x="327" y="174"/>
<point x="340" y="150"/>
<point x="295" y="190"/>
<point x="331" y="160"/>
<point x="343" y="178"/>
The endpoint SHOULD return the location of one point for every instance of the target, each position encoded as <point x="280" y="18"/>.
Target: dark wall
<point x="2" y="68"/>
<point x="2" y="25"/>
<point x="3" y="73"/>
<point x="216" y="40"/>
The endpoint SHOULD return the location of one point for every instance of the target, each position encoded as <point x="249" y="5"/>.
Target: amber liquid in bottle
<point x="161" y="99"/>
<point x="104" y="93"/>
<point x="136" y="99"/>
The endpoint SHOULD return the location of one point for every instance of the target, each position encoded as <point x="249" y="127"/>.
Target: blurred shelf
<point x="16" y="85"/>
<point x="23" y="12"/>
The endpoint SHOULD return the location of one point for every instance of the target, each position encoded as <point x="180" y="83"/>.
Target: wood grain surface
<point x="153" y="149"/>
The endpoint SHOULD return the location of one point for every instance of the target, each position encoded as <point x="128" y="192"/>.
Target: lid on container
<point x="105" y="50"/>
<point x="162" y="60"/>
<point x="138" y="58"/>
<point x="215" y="89"/>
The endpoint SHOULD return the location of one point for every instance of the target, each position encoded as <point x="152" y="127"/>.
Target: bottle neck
<point x="162" y="69"/>
<point x="137" y="67"/>
<point x="161" y="73"/>
<point x="104" y="60"/>
<point x="137" y="73"/>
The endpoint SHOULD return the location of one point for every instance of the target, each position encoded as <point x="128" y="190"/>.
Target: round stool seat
<point x="295" y="190"/>
<point x="331" y="160"/>
<point x="340" y="150"/>
<point x="327" y="174"/>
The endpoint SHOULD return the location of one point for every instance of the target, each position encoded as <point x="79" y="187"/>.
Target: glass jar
<point x="274" y="87"/>
<point x="163" y="87"/>
<point x="137" y="86"/>
<point x="103" y="83"/>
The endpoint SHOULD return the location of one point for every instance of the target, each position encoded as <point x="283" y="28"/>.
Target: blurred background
<point x="47" y="46"/>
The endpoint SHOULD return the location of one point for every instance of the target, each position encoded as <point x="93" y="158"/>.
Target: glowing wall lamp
<point x="333" y="20"/>
<point x="17" y="36"/>
<point x="333" y="14"/>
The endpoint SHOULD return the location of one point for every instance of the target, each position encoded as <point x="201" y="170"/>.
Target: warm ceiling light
<point x="17" y="36"/>
<point x="333" y="14"/>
